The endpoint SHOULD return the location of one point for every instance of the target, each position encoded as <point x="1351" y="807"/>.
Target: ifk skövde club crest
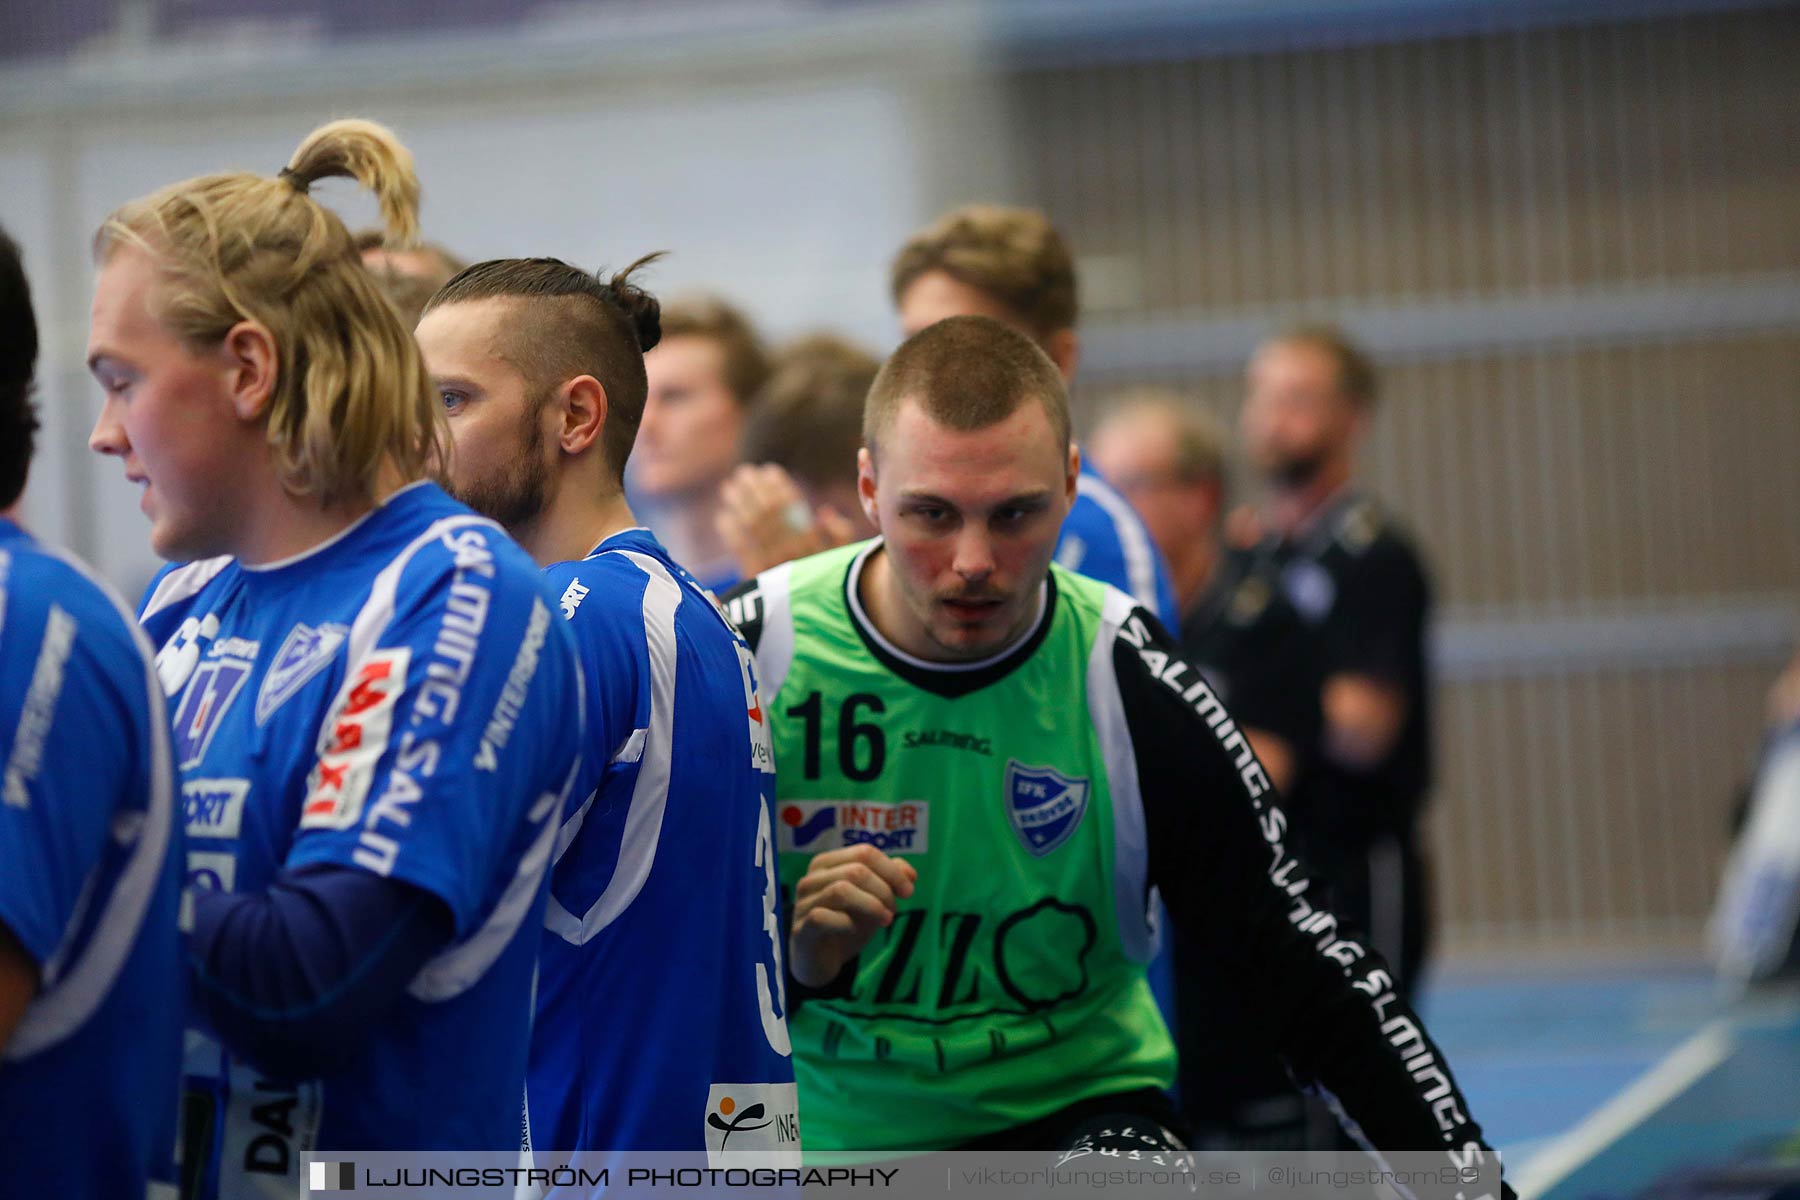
<point x="1044" y="806"/>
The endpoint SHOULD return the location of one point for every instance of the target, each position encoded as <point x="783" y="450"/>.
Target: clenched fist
<point x="844" y="897"/>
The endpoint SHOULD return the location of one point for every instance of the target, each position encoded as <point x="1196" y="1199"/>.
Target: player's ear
<point x="865" y="484"/>
<point x="582" y="401"/>
<point x="251" y="364"/>
<point x="1072" y="481"/>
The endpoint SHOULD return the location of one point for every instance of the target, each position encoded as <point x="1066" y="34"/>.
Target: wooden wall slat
<point x="1546" y="478"/>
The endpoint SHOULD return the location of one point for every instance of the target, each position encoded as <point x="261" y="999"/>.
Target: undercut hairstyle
<point x="1014" y="255"/>
<point x="351" y="392"/>
<point x="966" y="373"/>
<point x="1357" y="377"/>
<point x="409" y="290"/>
<point x="18" y="368"/>
<point x="568" y="324"/>
<point x="746" y="358"/>
<point x="808" y="418"/>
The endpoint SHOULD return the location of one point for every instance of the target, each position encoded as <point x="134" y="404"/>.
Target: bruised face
<point x="168" y="415"/>
<point x="970" y="521"/>
<point x="499" y="423"/>
<point x="1296" y="418"/>
<point x="687" y="441"/>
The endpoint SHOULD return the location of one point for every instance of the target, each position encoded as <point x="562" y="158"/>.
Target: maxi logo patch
<point x="896" y="827"/>
<point x="1044" y="806"/>
<point x="303" y="654"/>
<point x="353" y="740"/>
<point x="214" y="685"/>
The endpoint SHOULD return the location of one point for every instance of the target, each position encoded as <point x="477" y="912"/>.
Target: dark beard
<point x="1296" y="473"/>
<point x="520" y="495"/>
<point x="515" y="500"/>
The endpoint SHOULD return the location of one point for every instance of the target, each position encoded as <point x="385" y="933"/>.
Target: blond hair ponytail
<point x="352" y="393"/>
<point x="371" y="155"/>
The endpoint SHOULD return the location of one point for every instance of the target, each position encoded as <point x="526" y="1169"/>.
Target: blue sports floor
<point x="1640" y="1082"/>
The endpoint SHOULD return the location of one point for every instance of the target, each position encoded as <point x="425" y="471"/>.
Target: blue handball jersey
<point x="660" y="1017"/>
<point x="399" y="700"/>
<point x="1104" y="538"/>
<point x="90" y="881"/>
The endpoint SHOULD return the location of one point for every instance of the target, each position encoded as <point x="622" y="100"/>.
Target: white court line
<point x="1662" y="1083"/>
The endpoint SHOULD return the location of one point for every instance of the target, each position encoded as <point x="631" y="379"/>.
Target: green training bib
<point x="1011" y="983"/>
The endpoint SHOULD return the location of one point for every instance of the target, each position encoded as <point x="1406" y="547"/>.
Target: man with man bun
<point x="661" y="1017"/>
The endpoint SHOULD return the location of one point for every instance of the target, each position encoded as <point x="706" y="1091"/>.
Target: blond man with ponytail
<point x="325" y="406"/>
<point x="374" y="714"/>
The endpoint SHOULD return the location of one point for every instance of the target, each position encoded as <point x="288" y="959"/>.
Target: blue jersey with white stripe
<point x="89" y="886"/>
<point x="399" y="700"/>
<point x="660" y="1017"/>
<point x="1104" y="538"/>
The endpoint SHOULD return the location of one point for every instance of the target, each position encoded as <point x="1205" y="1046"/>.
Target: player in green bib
<point x="986" y="765"/>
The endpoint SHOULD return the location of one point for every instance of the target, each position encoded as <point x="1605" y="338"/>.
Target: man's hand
<point x="1364" y="718"/>
<point x="844" y="897"/>
<point x="765" y="520"/>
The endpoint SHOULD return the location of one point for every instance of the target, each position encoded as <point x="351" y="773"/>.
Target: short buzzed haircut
<point x="1014" y="255"/>
<point x="18" y="367"/>
<point x="746" y="358"/>
<point x="967" y="373"/>
<point x="808" y="418"/>
<point x="571" y="323"/>
<point x="1357" y="379"/>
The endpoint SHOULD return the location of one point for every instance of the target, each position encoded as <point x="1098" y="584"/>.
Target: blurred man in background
<point x="704" y="378"/>
<point x="1167" y="458"/>
<point x="1012" y="265"/>
<point x="1329" y="563"/>
<point x="795" y="492"/>
<point x="409" y="276"/>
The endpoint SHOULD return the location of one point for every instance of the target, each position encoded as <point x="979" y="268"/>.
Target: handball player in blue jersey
<point x="90" y="857"/>
<point x="374" y="707"/>
<point x="661" y="1022"/>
